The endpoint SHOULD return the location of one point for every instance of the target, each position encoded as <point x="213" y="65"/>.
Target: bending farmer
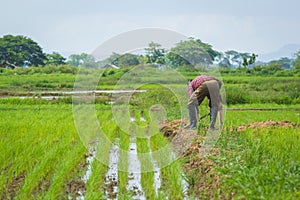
<point x="199" y="88"/>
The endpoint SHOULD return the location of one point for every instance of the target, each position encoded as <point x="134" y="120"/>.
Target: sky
<point x="76" y="26"/>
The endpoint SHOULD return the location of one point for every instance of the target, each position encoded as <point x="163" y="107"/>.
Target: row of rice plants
<point x="96" y="185"/>
<point x="40" y="144"/>
<point x="239" y="117"/>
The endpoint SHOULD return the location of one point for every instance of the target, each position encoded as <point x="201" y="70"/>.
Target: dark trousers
<point x="209" y="89"/>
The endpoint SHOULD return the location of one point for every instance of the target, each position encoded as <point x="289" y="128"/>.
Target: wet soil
<point x="264" y="124"/>
<point x="43" y="185"/>
<point x="12" y="190"/>
<point x="111" y="179"/>
<point x="134" y="184"/>
<point x="76" y="186"/>
<point x="200" y="171"/>
<point x="111" y="184"/>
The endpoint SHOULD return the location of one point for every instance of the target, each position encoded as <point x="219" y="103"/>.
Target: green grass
<point x="242" y="89"/>
<point x="171" y="171"/>
<point x="38" y="138"/>
<point x="261" y="163"/>
<point x="95" y="188"/>
<point x="31" y="145"/>
<point x="258" y="163"/>
<point x="235" y="118"/>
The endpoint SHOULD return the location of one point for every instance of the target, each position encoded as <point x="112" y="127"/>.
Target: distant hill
<point x="285" y="51"/>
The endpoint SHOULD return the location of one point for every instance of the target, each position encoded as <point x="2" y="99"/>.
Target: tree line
<point x="21" y="51"/>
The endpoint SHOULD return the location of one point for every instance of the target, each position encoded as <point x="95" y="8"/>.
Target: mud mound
<point x="264" y="124"/>
<point x="207" y="180"/>
<point x="188" y="145"/>
<point x="194" y="148"/>
<point x="170" y="129"/>
<point x="183" y="141"/>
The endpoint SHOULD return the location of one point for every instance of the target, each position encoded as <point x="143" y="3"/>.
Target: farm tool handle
<point x="203" y="116"/>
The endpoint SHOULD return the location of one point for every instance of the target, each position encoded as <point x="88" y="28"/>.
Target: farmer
<point x="199" y="88"/>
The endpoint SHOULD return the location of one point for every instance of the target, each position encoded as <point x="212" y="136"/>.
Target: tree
<point x="191" y="52"/>
<point x="142" y="59"/>
<point x="296" y="62"/>
<point x="249" y="60"/>
<point x="113" y="59"/>
<point x="75" y="60"/>
<point x="17" y="51"/>
<point x="274" y="66"/>
<point x="282" y="63"/>
<point x="84" y="59"/>
<point x="128" y="59"/>
<point x="54" y="59"/>
<point x="155" y="54"/>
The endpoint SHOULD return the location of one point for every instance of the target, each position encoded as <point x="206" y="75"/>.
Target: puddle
<point x="87" y="175"/>
<point x="111" y="179"/>
<point x="88" y="92"/>
<point x="48" y="97"/>
<point x="142" y="118"/>
<point x="157" y="180"/>
<point x="134" y="171"/>
<point x="132" y="119"/>
<point x="53" y="95"/>
<point x="90" y="160"/>
<point x="185" y="186"/>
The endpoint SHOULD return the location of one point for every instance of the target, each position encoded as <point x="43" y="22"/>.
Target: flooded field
<point x="134" y="167"/>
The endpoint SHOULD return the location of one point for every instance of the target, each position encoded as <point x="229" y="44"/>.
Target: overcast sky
<point x="70" y="26"/>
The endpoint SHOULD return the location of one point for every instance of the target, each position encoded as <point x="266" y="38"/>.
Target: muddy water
<point x="185" y="187"/>
<point x="142" y="118"/>
<point x="90" y="160"/>
<point x="88" y="173"/>
<point x="88" y="92"/>
<point x="53" y="95"/>
<point x="134" y="170"/>
<point x="111" y="179"/>
<point x="48" y="97"/>
<point x="157" y="179"/>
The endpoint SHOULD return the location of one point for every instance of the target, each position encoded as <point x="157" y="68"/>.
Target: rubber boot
<point x="193" y="117"/>
<point x="213" y="117"/>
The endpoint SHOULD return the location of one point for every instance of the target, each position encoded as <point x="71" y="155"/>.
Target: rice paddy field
<point x="45" y="153"/>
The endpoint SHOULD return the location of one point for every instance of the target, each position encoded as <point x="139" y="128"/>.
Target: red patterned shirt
<point x="194" y="84"/>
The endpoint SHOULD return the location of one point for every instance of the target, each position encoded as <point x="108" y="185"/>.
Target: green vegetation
<point x="260" y="163"/>
<point x="20" y="51"/>
<point x="33" y="147"/>
<point x="17" y="51"/>
<point x="42" y="156"/>
<point x="242" y="89"/>
<point x="254" y="163"/>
